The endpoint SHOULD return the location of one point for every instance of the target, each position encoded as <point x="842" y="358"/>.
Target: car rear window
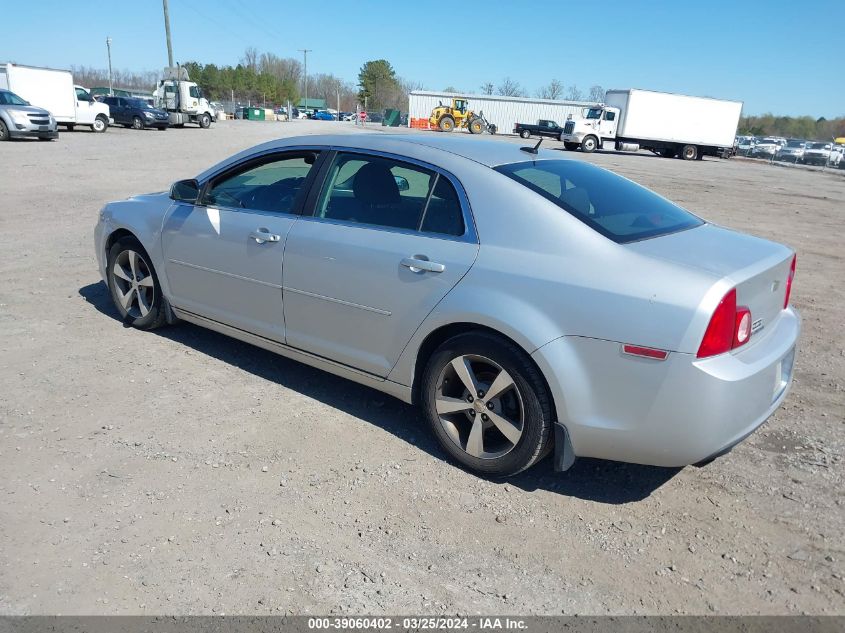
<point x="612" y="205"/>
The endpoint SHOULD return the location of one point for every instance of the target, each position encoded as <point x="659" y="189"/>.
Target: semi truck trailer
<point x="670" y="125"/>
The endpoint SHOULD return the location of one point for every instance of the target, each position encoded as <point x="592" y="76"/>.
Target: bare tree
<point x="487" y="88"/>
<point x="281" y="68"/>
<point x="597" y="94"/>
<point x="92" y="77"/>
<point x="509" y="88"/>
<point x="250" y="58"/>
<point x="554" y="90"/>
<point x="574" y="94"/>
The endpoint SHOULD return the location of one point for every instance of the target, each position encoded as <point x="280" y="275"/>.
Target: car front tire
<point x="134" y="286"/>
<point x="101" y="123"/>
<point x="487" y="404"/>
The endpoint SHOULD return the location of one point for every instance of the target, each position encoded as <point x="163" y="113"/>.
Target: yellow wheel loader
<point x="446" y="118"/>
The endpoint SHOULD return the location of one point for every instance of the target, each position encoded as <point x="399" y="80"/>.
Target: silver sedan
<point x="528" y="303"/>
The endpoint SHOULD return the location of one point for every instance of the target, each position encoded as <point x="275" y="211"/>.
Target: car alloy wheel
<point x="479" y="406"/>
<point x="133" y="284"/>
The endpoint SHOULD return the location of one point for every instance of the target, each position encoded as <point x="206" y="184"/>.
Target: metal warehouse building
<point x="503" y="112"/>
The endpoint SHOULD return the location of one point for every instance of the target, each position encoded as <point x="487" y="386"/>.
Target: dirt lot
<point x="184" y="472"/>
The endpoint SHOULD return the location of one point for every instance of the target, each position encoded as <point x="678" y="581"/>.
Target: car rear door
<point x="386" y="239"/>
<point x="223" y="256"/>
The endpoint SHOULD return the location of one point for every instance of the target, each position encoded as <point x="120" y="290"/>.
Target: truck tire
<point x="101" y="123"/>
<point x="476" y="126"/>
<point x="4" y="131"/>
<point x="205" y="121"/>
<point x="689" y="152"/>
<point x="446" y="124"/>
<point x="525" y="134"/>
<point x="570" y="146"/>
<point x="589" y="144"/>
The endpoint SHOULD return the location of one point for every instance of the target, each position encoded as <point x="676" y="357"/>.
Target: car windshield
<point x="594" y="113"/>
<point x="769" y="141"/>
<point x="795" y="144"/>
<point x="610" y="204"/>
<point x="819" y="146"/>
<point x="10" y="98"/>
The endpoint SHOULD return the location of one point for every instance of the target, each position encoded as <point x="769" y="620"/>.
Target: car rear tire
<point x="446" y="124"/>
<point x="689" y="152"/>
<point x="137" y="123"/>
<point x="496" y="435"/>
<point x="100" y="124"/>
<point x="134" y="286"/>
<point x="4" y="131"/>
<point x="589" y="144"/>
<point x="525" y="134"/>
<point x="205" y="121"/>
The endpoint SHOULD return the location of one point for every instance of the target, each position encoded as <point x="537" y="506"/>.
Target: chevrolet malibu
<point x="528" y="303"/>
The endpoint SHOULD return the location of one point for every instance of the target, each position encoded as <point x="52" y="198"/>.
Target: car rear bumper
<point x="675" y="412"/>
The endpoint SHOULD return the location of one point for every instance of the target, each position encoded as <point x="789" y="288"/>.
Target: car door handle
<point x="418" y="265"/>
<point x="263" y="235"/>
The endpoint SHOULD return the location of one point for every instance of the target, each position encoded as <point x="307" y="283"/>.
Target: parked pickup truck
<point x="543" y="128"/>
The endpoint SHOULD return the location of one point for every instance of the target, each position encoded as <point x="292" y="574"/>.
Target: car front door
<point x="386" y="240"/>
<point x="223" y="256"/>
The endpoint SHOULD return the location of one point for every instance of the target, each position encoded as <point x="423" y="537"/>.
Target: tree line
<point x="802" y="127"/>
<point x="554" y="90"/>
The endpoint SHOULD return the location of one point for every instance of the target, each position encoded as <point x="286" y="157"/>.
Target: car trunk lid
<point x="757" y="268"/>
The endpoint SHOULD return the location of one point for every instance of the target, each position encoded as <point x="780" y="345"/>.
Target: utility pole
<point x="305" y="52"/>
<point x="108" y="48"/>
<point x="167" y="33"/>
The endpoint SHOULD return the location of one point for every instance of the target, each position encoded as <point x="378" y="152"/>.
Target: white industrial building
<point x="503" y="112"/>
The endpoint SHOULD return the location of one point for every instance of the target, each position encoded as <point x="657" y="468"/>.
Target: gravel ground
<point x="183" y="472"/>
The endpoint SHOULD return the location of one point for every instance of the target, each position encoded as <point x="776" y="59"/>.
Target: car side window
<point x="443" y="214"/>
<point x="375" y="190"/>
<point x="388" y="193"/>
<point x="272" y="184"/>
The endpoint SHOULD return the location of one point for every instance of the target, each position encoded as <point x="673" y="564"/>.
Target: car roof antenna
<point x="532" y="150"/>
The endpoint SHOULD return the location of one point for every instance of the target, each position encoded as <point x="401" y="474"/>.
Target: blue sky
<point x="774" y="55"/>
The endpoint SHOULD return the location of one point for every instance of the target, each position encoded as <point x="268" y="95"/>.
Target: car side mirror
<point x="185" y="191"/>
<point x="402" y="183"/>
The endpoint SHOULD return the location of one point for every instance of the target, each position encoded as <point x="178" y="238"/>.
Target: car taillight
<point x="729" y="328"/>
<point x="789" y="282"/>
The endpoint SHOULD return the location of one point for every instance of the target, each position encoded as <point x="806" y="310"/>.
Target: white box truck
<point x="670" y="125"/>
<point x="54" y="91"/>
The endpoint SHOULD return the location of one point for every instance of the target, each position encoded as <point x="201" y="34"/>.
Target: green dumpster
<point x="255" y="114"/>
<point x="391" y="118"/>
